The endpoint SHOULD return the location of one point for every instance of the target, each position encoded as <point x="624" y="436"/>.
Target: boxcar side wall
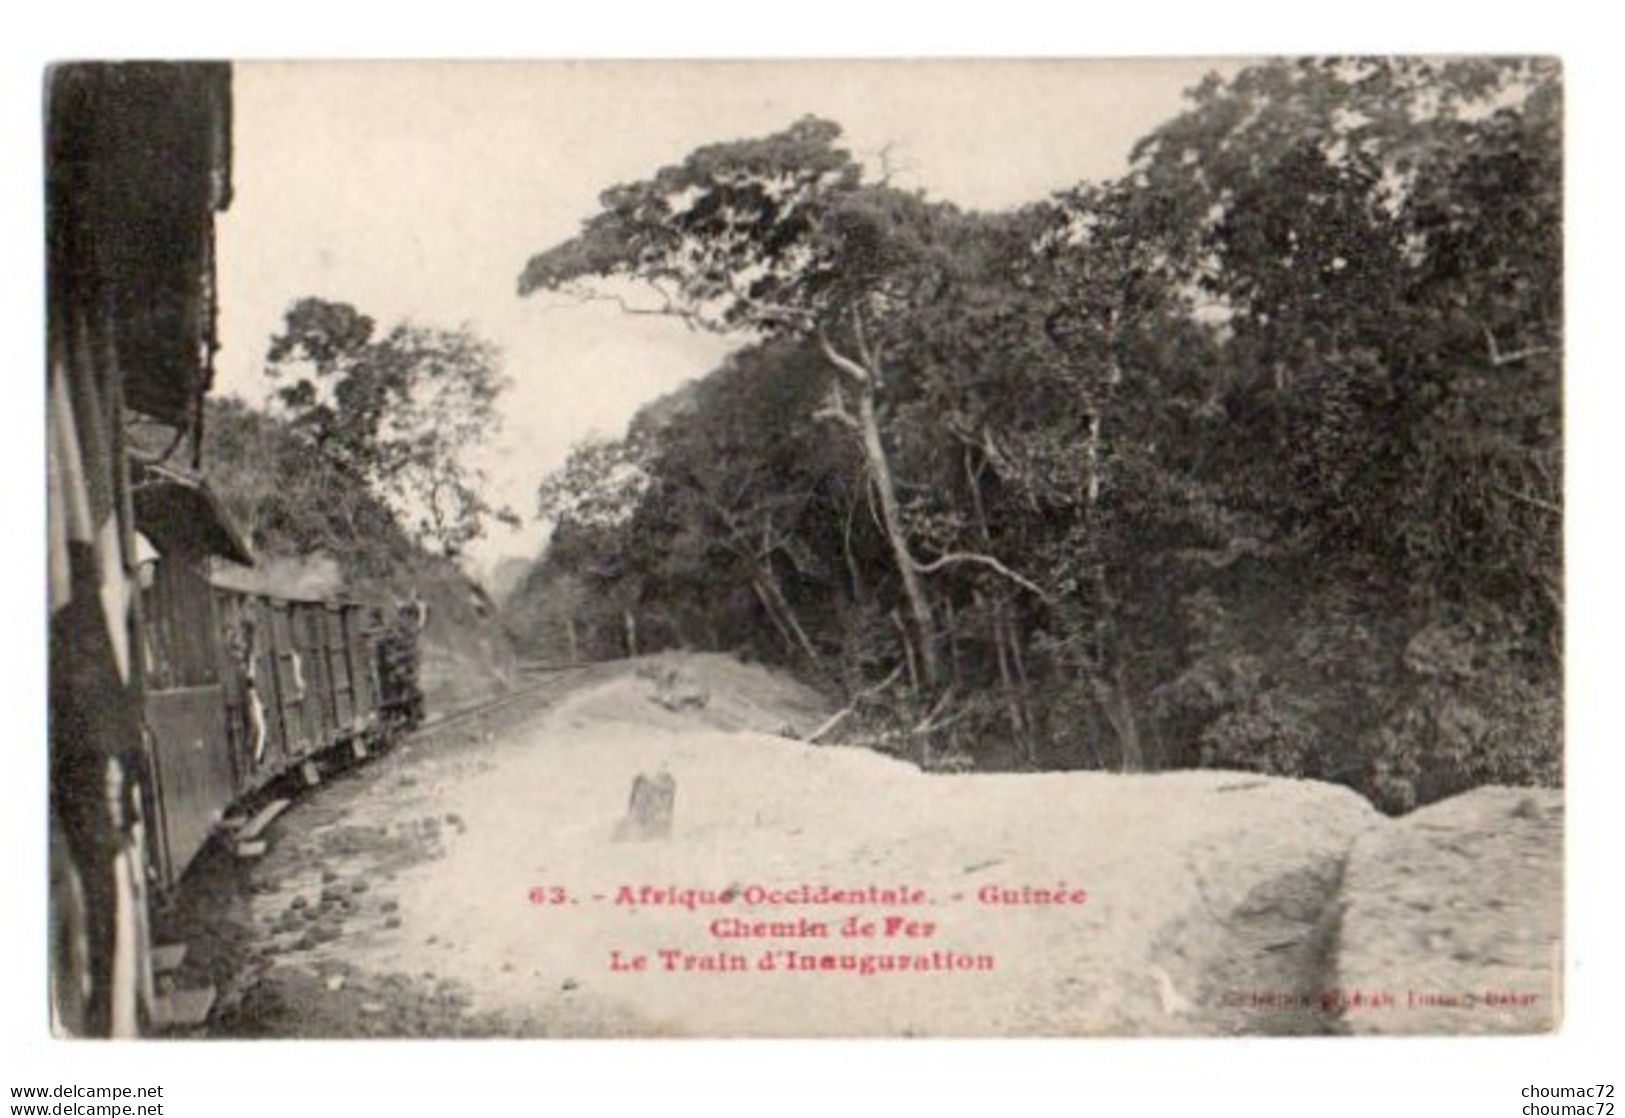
<point x="292" y="697"/>
<point x="185" y="709"/>
<point x="311" y="631"/>
<point x="197" y="781"/>
<point x="137" y="164"/>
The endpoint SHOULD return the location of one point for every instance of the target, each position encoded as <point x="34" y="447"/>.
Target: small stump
<point x="649" y="813"/>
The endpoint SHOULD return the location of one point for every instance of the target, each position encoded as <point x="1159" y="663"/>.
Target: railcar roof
<point x="175" y="509"/>
<point x="138" y="163"/>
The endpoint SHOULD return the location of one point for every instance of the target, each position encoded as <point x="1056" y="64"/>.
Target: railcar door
<point x="247" y="670"/>
<point x="342" y="670"/>
<point x="293" y="694"/>
<point x="235" y="651"/>
<point x="363" y="672"/>
<point x="186" y="710"/>
<point x="272" y="756"/>
<point x="310" y="640"/>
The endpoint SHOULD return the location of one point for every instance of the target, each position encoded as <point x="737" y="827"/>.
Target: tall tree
<point x="1380" y="240"/>
<point x="290" y="501"/>
<point x="779" y="236"/>
<point x="400" y="411"/>
<point x="1248" y="459"/>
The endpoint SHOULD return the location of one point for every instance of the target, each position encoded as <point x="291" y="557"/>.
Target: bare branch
<point x="997" y="457"/>
<point x="1530" y="499"/>
<point x="981" y="560"/>
<point x="925" y="724"/>
<point x="870" y="355"/>
<point x="934" y="726"/>
<point x="1499" y="359"/>
<point x="922" y="729"/>
<point x="1234" y="551"/>
<point x="797" y="317"/>
<point x="842" y="362"/>
<point x="836" y="409"/>
<point x="845" y="712"/>
<point x="580" y="294"/>
<point x="870" y="488"/>
<point x="888" y="165"/>
<point x="955" y="424"/>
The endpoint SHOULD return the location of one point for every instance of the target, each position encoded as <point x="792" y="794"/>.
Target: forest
<point x="1249" y="459"/>
<point x="351" y="479"/>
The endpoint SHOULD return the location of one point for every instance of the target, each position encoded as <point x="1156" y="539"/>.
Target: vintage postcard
<point x="806" y="549"/>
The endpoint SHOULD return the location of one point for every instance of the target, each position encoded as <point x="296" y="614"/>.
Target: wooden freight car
<point x="305" y="680"/>
<point x="181" y="529"/>
<point x="137" y="164"/>
<point x="242" y="688"/>
<point x="171" y="699"/>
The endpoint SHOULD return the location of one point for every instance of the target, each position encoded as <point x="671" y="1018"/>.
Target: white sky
<point x="420" y="190"/>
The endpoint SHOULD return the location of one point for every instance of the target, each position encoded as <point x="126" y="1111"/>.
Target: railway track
<point x="472" y="722"/>
<point x="544" y="684"/>
<point x="241" y="836"/>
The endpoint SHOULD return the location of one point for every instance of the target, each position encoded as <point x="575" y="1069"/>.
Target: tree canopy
<point x="1249" y="458"/>
<point x="399" y="412"/>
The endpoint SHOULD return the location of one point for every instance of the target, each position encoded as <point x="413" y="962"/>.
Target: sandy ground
<point x="474" y="885"/>
<point x="1455" y="913"/>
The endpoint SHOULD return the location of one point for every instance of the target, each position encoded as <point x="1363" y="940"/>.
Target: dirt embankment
<point x="476" y="886"/>
<point x="466" y="656"/>
<point x="1456" y="913"/>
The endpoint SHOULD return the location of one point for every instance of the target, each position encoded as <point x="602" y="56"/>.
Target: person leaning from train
<point x="244" y="647"/>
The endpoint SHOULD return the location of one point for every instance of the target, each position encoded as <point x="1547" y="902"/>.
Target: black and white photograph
<point x="1013" y="548"/>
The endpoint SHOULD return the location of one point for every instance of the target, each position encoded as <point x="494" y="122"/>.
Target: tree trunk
<point x="996" y="627"/>
<point x="1115" y="703"/>
<point x="859" y="592"/>
<point x="908" y="653"/>
<point x="773" y="616"/>
<point x="768" y="587"/>
<point x="1010" y="671"/>
<point x="892" y="519"/>
<point x="630" y="622"/>
<point x="1024" y="691"/>
<point x="570" y="635"/>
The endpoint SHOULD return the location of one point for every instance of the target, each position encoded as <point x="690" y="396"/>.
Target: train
<point x="175" y="696"/>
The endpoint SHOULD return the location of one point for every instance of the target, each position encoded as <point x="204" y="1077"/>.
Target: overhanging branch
<point x="1530" y="499"/>
<point x="837" y="410"/>
<point x="842" y="362"/>
<point x="774" y="313"/>
<point x="582" y="293"/>
<point x="841" y="715"/>
<point x="1500" y="360"/>
<point x="987" y="561"/>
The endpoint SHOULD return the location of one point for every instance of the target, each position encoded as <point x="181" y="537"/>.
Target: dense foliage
<point x="1248" y="459"/>
<point x="293" y="503"/>
<point x="354" y="481"/>
<point x="398" y="412"/>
